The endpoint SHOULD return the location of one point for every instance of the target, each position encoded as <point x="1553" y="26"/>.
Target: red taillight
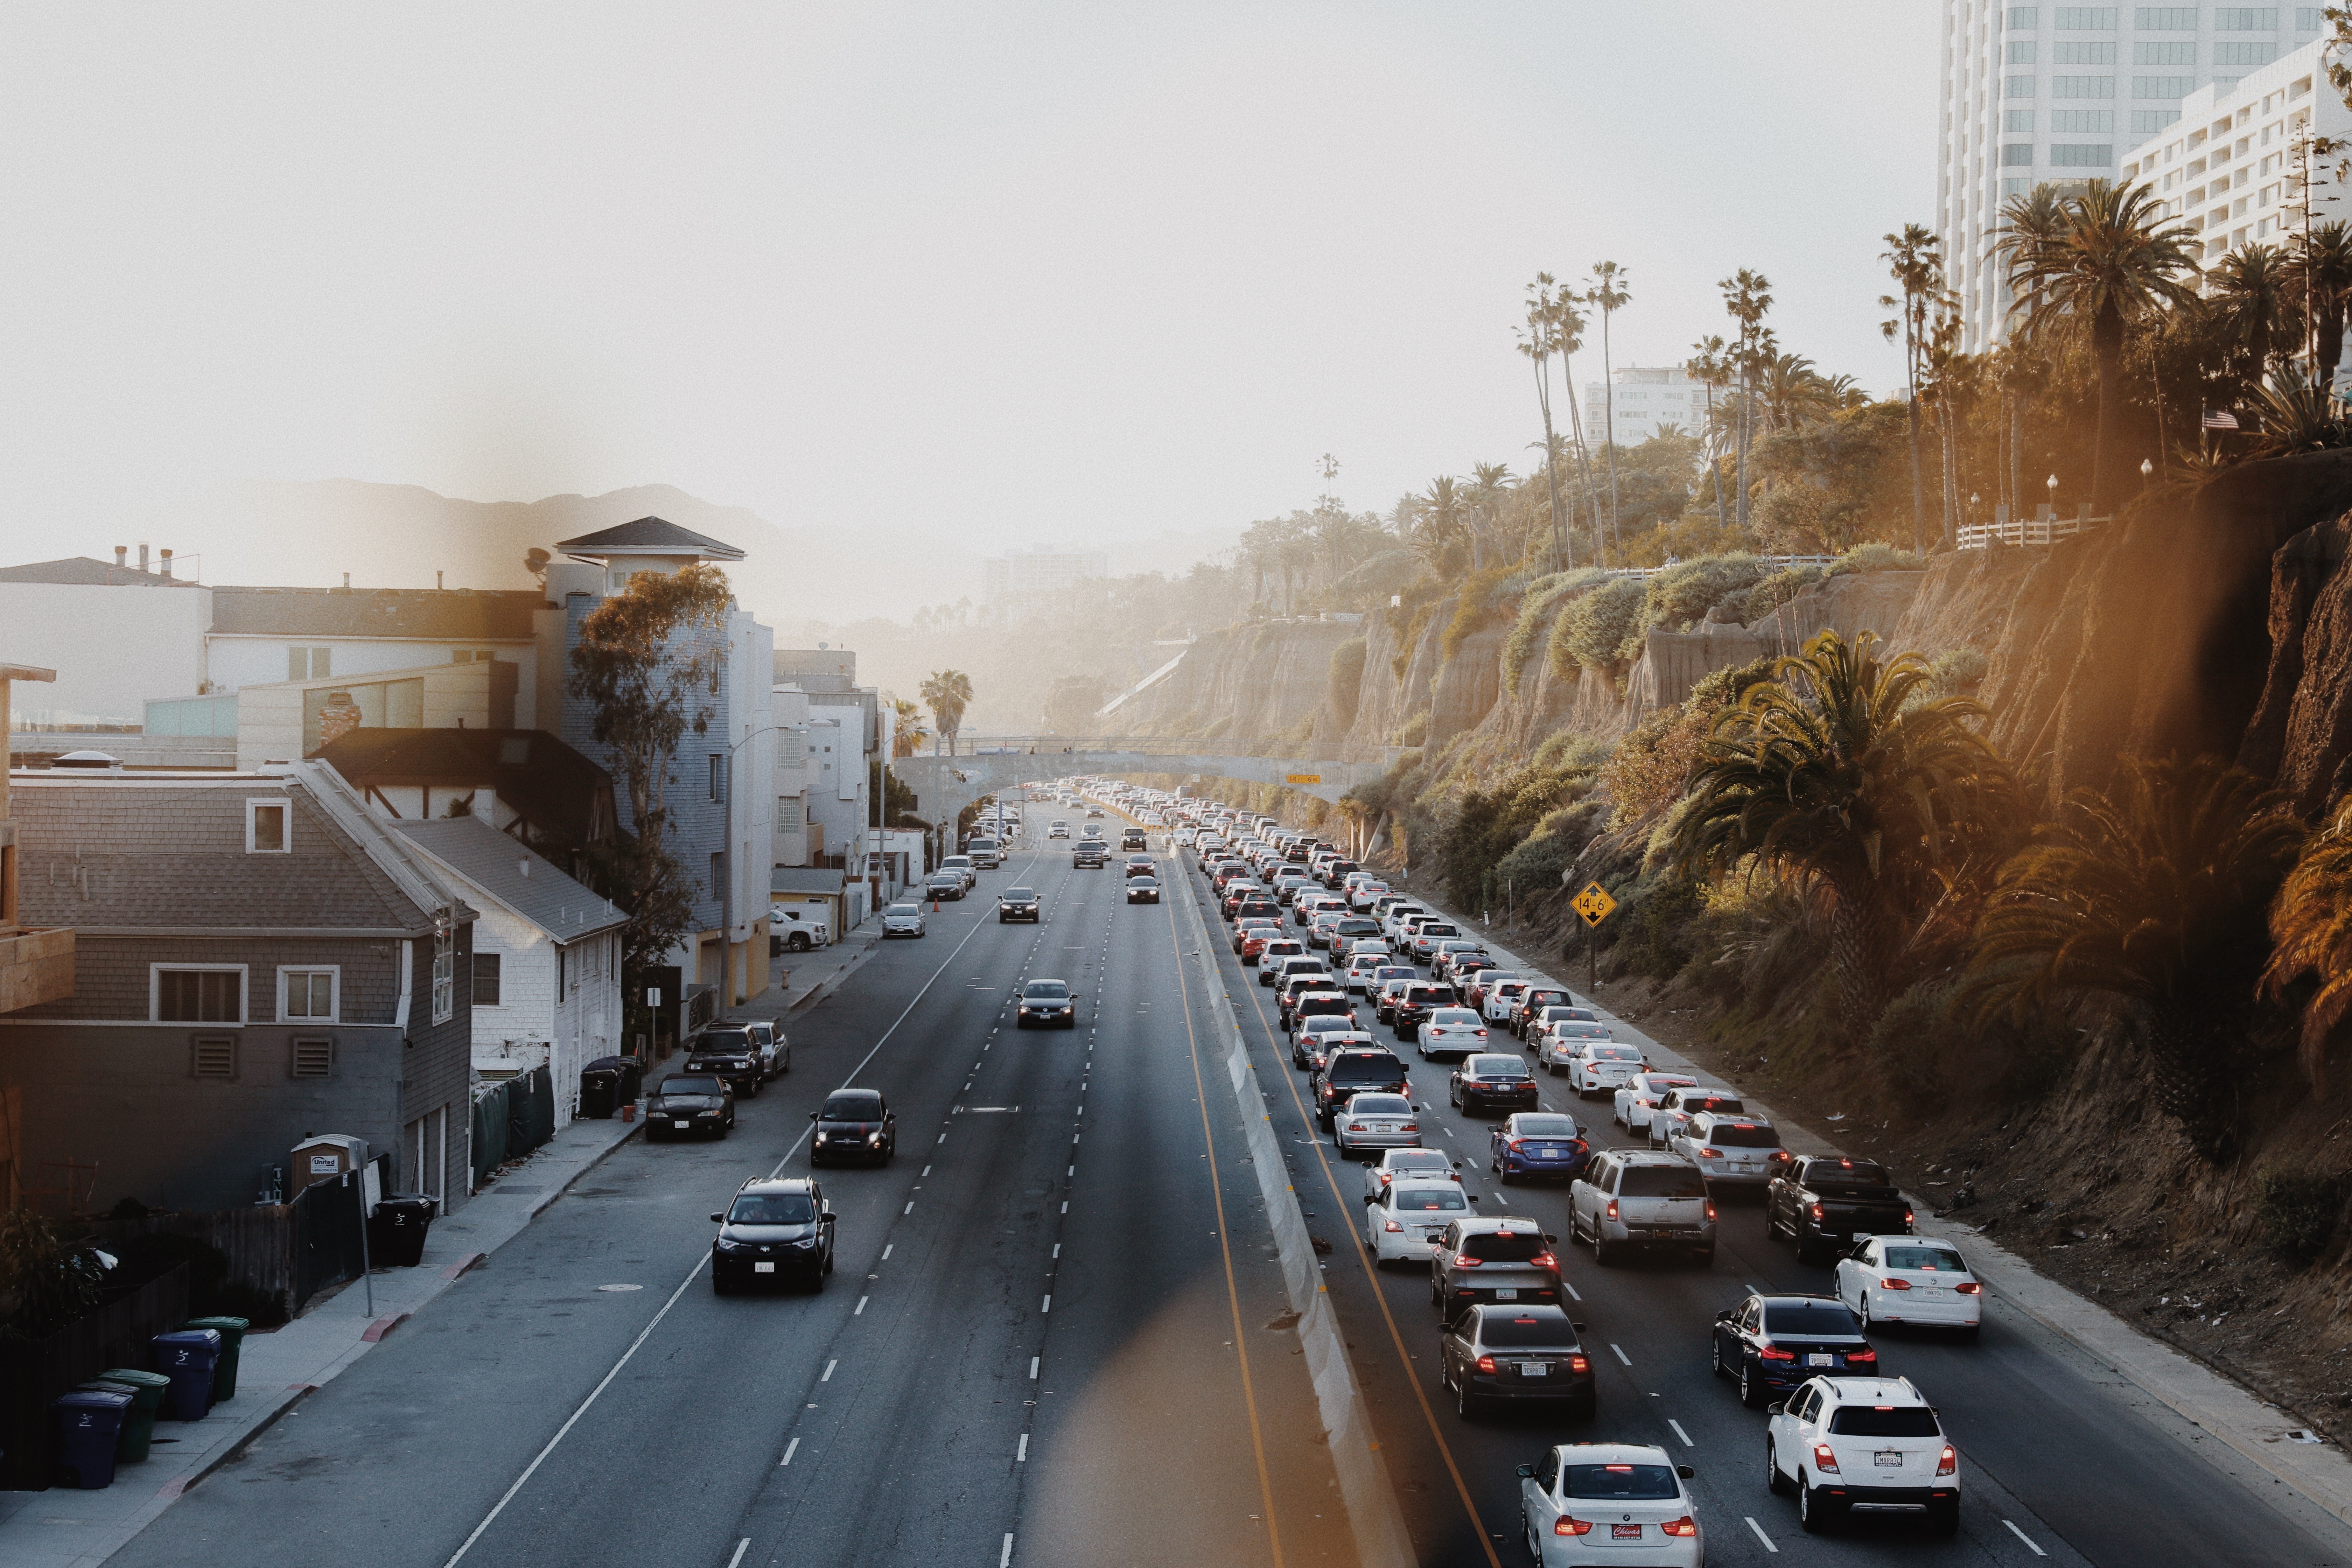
<point x="1543" y="1260"/>
<point x="1358" y="1127"/>
<point x="1817" y="1213"/>
<point x="1907" y="1217"/>
<point x="1968" y="1287"/>
<point x="1895" y="1284"/>
<point x="1685" y="1526"/>
<point x="1578" y="1364"/>
<point x="1564" y="1525"/>
<point x="1481" y="1034"/>
<point x="1718" y="1154"/>
<point x="1823" y="1460"/>
<point x="1710" y="1211"/>
<point x="1395" y="1228"/>
<point x="1486" y="1363"/>
<point x="1465" y="1263"/>
<point x="1513" y="1144"/>
<point x="1771" y="1354"/>
<point x="1862" y="1357"/>
<point x="1410" y="1127"/>
<point x="1613" y="1208"/>
<point x="1948" y="1463"/>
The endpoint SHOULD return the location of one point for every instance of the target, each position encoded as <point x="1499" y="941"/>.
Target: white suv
<point x="1863" y="1443"/>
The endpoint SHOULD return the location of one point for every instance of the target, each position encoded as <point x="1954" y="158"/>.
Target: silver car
<point x="902" y="920"/>
<point x="1403" y="1220"/>
<point x="1730" y="1148"/>
<point x="1629" y="1199"/>
<point x="1376" y="1121"/>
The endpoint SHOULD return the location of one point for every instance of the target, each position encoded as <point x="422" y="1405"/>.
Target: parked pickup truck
<point x="1827" y="1203"/>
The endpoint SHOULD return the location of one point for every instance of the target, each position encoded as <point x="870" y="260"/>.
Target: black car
<point x="731" y="1055"/>
<point x="1016" y="904"/>
<point x="855" y="1124"/>
<point x="1088" y="855"/>
<point x="1142" y="889"/>
<point x="1773" y="1343"/>
<point x="687" y="1105"/>
<point x="1498" y="1354"/>
<point x="1046" y="1004"/>
<point x="1416" y="1003"/>
<point x="1827" y="1203"/>
<point x="1348" y="1073"/>
<point x="777" y="1229"/>
<point x="1484" y="1081"/>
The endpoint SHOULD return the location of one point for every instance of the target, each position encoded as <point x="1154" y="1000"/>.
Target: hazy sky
<point x="1044" y="271"/>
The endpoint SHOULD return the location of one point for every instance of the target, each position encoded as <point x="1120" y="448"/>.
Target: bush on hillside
<point x="1918" y="1048"/>
<point x="1681" y="596"/>
<point x="1955" y="673"/>
<point x="1488" y="593"/>
<point x="1878" y="557"/>
<point x="1372" y="583"/>
<point x="1344" y="686"/>
<point x="2299" y="1213"/>
<point x="1594" y="629"/>
<point x="1770" y="594"/>
<point x="1646" y="773"/>
<point x="1537" y="606"/>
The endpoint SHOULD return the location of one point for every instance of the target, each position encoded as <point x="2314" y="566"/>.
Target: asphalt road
<point x="2060" y="1462"/>
<point x="1051" y="1337"/>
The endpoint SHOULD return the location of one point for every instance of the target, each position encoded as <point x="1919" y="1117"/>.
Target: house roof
<point x="560" y="793"/>
<point x="83" y="572"/>
<point x="649" y="536"/>
<point x="428" y="614"/>
<point x="489" y="862"/>
<point x="804" y="879"/>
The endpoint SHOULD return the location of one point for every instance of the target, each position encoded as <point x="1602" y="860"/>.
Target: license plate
<point x="1507" y="1295"/>
<point x="1887" y="1459"/>
<point x="1535" y="1369"/>
<point x="764" y="1269"/>
<point x="1625" y="1533"/>
<point x="681" y="1126"/>
<point x="1817" y="1359"/>
<point x="1550" y="1153"/>
<point x="1931" y="1293"/>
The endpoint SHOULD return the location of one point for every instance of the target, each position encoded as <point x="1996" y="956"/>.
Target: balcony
<point x="36" y="966"/>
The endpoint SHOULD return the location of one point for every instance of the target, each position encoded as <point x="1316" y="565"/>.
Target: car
<point x="1426" y="936"/>
<point x="986" y="853"/>
<point x="1348" y="1073"/>
<point x="1846" y="1445"/>
<point x="1483" y="1082"/>
<point x="1256" y="906"/>
<point x="1731" y="1149"/>
<point x="1599" y="1066"/>
<point x="1277" y="968"/>
<point x="794" y="929"/>
<point x="1296" y="983"/>
<point x="1407" y="1165"/>
<point x="1771" y="1345"/>
<point x="1322" y="930"/>
<point x="1451" y="1032"/>
<point x="1475" y="993"/>
<point x="854" y="1124"/>
<point x="907" y="920"/>
<point x="728" y="1052"/>
<point x="1239" y="891"/>
<point x="1375" y="1121"/>
<point x="1143" y="890"/>
<point x="1317" y="1037"/>
<point x="1046" y="1002"/>
<point x="1392" y="922"/>
<point x="1330" y="1004"/>
<point x="778" y="1228"/>
<point x="1270" y="952"/>
<point x="1498" y="996"/>
<point x="1555" y="1044"/>
<point x="1093" y="812"/>
<point x="1360" y="969"/>
<point x="1350" y="932"/>
<point x="1089" y="854"/>
<point x="1336" y="873"/>
<point x="1143" y="866"/>
<point x="1285" y="889"/>
<point x="943" y="885"/>
<point x="1018" y="904"/>
<point x="1537" y="1145"/>
<point x="1265" y="930"/>
<point x="1913" y="1280"/>
<point x="1533" y="1001"/>
<point x="1442" y="957"/>
<point x="1404" y="1217"/>
<point x="1386" y="993"/>
<point x="1417" y="1001"/>
<point x="1465" y="964"/>
<point x="962" y="866"/>
<point x="1628" y="1200"/>
<point x="1058" y="828"/>
<point x="1501" y="1258"/>
<point x="1515" y="1355"/>
<point x="1364" y="895"/>
<point x="1827" y="1203"/>
<point x="1640" y="1094"/>
<point x="1681" y="1104"/>
<point x="1634" y="1490"/>
<point x="689" y="1105"/>
<point x="1306" y="906"/>
<point x="1131" y="838"/>
<point x="1541" y="1023"/>
<point x="775" y="1049"/>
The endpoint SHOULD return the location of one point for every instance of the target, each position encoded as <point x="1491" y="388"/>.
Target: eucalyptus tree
<point x="1915" y="260"/>
<point x="1608" y="295"/>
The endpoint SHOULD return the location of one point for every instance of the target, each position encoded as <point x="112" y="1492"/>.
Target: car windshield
<point x="1811" y="1320"/>
<point x="689" y="1085"/>
<point x="1142" y="882"/>
<point x="1620" y="1483"/>
<point x="1328" y="1026"/>
<point x="1847" y="1173"/>
<point x="1023" y="895"/>
<point x="1503" y="1246"/>
<point x="1661" y="1181"/>
<point x="1497" y="1066"/>
<point x="1933" y="1259"/>
<point x="1884" y="1421"/>
<point x="1695" y="1102"/>
<point x="1047" y="991"/>
<point x="1544" y="1126"/>
<point x="1658" y="1083"/>
<point x="722" y="1043"/>
<point x="1380" y="1105"/>
<point x="853" y="1108"/>
<point x="1388" y="972"/>
<point x="1581" y="1032"/>
<point x="1316" y="1005"/>
<point x="1455" y="1016"/>
<point x="1743" y="1135"/>
<point x="901" y="909"/>
<point x="1544" y="1328"/>
<point x="1430" y="996"/>
<point x="1418" y="1160"/>
<point x="1434" y="1198"/>
<point x="772" y="1208"/>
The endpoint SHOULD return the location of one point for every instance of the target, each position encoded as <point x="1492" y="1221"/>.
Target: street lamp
<point x="2146" y="468"/>
<point x="2054" y="495"/>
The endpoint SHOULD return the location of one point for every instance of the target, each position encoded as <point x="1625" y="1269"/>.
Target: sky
<point x="1010" y="272"/>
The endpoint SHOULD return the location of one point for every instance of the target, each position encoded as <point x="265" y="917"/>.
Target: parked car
<point x="904" y="920"/>
<point x="728" y="1051"/>
<point x="986" y="853"/>
<point x="1404" y="1217"/>
<point x="943" y="885"/>
<point x="1454" y="1032"/>
<point x="793" y="929"/>
<point x="1496" y="1257"/>
<point x="1046" y="1002"/>
<point x="1911" y="1281"/>
<point x="1772" y="1345"/>
<point x="1018" y="904"/>
<point x="1844" y="1442"/>
<point x="1375" y="1121"/>
<point x="1517" y="1355"/>
<point x="1828" y="1204"/>
<point x="854" y="1124"/>
<point x="1630" y="1200"/>
<point x="775" y="1049"/>
<point x="962" y="866"/>
<point x="777" y="1228"/>
<point x="1536" y="1145"/>
<point x="1640" y="1094"/>
<point x="1482" y="1082"/>
<point x="687" y="1105"/>
<point x="1731" y="1148"/>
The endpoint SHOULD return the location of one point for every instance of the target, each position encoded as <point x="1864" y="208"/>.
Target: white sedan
<point x="1557" y="1046"/>
<point x="1452" y="1031"/>
<point x="1376" y="1121"/>
<point x="1600" y="1066"/>
<point x="1404" y="1219"/>
<point x="1911" y="1280"/>
<point x="1639" y="1095"/>
<point x="1407" y="1165"/>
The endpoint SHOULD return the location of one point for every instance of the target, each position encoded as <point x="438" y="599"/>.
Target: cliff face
<point x="1245" y="683"/>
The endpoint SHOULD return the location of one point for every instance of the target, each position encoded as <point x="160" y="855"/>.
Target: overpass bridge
<point x="991" y="764"/>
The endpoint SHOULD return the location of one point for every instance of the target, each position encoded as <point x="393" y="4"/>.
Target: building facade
<point x="1648" y="400"/>
<point x="1030" y="574"/>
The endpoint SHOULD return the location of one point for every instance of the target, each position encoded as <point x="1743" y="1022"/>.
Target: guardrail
<point x="1152" y="745"/>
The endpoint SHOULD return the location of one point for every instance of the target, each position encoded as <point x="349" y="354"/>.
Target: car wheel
<point x="1466" y="1404"/>
<point x="1861" y="1312"/>
<point x="1813" y="1508"/>
<point x="719" y="1285"/>
<point x="1774" y="1481"/>
<point x="1969" y="1335"/>
<point x="1751" y="1386"/>
<point x="1715" y="1357"/>
<point x="1809" y="1248"/>
<point x="1604" y="1255"/>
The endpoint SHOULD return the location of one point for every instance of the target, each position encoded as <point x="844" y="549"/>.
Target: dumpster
<point x="89" y="1427"/>
<point x="609" y="1082"/>
<point x="232" y="1333"/>
<point x="397" y="1230"/>
<point x="187" y="1356"/>
<point x="139" y="1427"/>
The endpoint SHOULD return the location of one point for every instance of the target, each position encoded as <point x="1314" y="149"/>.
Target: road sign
<point x="1306" y="778"/>
<point x="1594" y="904"/>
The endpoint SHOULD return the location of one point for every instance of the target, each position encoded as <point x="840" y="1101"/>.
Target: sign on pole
<point x="1594" y="904"/>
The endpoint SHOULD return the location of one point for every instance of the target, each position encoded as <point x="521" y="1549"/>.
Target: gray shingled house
<point x="259" y="959"/>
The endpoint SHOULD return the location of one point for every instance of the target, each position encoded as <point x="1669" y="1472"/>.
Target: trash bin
<point x="600" y="1087"/>
<point x="397" y="1230"/>
<point x="89" y="1427"/>
<point x="187" y="1356"/>
<point x="139" y="1427"/>
<point x="232" y="1333"/>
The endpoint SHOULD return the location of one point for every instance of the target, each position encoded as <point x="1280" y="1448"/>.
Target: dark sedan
<point x="1773" y="1343"/>
<point x="777" y="1229"/>
<point x="1143" y="890"/>
<point x="854" y="1124"/>
<point x="944" y="885"/>
<point x="691" y="1105"/>
<point x="1016" y="904"/>
<point x="1501" y="1354"/>
<point x="1483" y="1082"/>
<point x="1088" y="855"/>
<point x="1538" y="1143"/>
<point x="1046" y="1004"/>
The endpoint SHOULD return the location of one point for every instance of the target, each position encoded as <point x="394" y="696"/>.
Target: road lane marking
<point x="2025" y="1538"/>
<point x="1621" y="1356"/>
<point x="1572" y="1291"/>
<point x="859" y="1310"/>
<point x="1021" y="1454"/>
<point x="789" y="1448"/>
<point x="1057" y="1249"/>
<point x="827" y="1377"/>
<point x="1680" y="1433"/>
<point x="886" y="1250"/>
<point x="909" y="1209"/>
<point x="741" y="1547"/>
<point x="1006" y="1558"/>
<point x="1033" y="1369"/>
<point x="1049" y="1303"/>
<point x="1761" y="1535"/>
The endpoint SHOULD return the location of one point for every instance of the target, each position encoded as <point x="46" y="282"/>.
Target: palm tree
<point x="2320" y="269"/>
<point x="1839" y="771"/>
<point x="2112" y="265"/>
<point x="1487" y="491"/>
<point x="2249" y="293"/>
<point x="1570" y="338"/>
<point x="1916" y="262"/>
<point x="1608" y="293"/>
<point x="947" y="692"/>
<point x="907" y="734"/>
<point x="2151" y="894"/>
<point x="1443" y="523"/>
<point x="1745" y="299"/>
<point x="2310" y="933"/>
<point x="2027" y="222"/>
<point x="1711" y="367"/>
<point x="1539" y="339"/>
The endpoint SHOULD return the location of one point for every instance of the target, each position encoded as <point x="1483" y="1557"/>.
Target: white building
<point x="1028" y="572"/>
<point x="1647" y="401"/>
<point x="2231" y="168"/>
<point x="2042" y="93"/>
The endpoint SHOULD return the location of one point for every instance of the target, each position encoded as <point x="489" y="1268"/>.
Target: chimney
<point x="142" y="557"/>
<point x="166" y="558"/>
<point x="121" y="555"/>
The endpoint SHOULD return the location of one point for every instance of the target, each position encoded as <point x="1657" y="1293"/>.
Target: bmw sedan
<point x="1483" y="1082"/>
<point x="1376" y="1121"/>
<point x="1046" y="1004"/>
<point x="776" y="1230"/>
<point x="1772" y="1345"/>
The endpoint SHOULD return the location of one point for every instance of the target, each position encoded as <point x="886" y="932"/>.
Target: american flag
<point x="2219" y="419"/>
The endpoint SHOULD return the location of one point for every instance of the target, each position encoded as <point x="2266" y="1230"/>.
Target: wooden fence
<point x="258" y="1241"/>
<point x="2028" y="530"/>
<point x="35" y="1372"/>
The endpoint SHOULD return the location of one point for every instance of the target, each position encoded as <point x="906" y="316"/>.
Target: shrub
<point x="1682" y="594"/>
<point x="1876" y="556"/>
<point x="1955" y="673"/>
<point x="1656" y="925"/>
<point x="1345" y="685"/>
<point x="1593" y="631"/>
<point x="2299" y="1213"/>
<point x="1776" y="590"/>
<point x="1567" y="751"/>
<point x="1537" y="608"/>
<point x="1415" y="730"/>
<point x="1917" y="1044"/>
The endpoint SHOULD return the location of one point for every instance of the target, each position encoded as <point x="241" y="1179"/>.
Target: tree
<point x="1608" y="295"/>
<point x="1711" y="368"/>
<point x="1539" y="340"/>
<point x="1489" y="491"/>
<point x="1915" y="260"/>
<point x="2318" y="268"/>
<point x="2150" y="894"/>
<point x="2247" y="293"/>
<point x="2111" y="265"/>
<point x="1443" y="524"/>
<point x="1840" y="772"/>
<point x="2310" y="933"/>
<point x="1745" y="299"/>
<point x="947" y="692"/>
<point x="2027" y="222"/>
<point x="907" y="734"/>
<point x="647" y="665"/>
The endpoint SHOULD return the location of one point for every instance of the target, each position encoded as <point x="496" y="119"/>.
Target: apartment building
<point x="1030" y="574"/>
<point x="1648" y="400"/>
<point x="2042" y="93"/>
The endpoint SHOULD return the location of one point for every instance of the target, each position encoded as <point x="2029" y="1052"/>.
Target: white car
<point x="1364" y="895"/>
<point x="1639" y="1095"/>
<point x="1911" y="1280"/>
<point x="961" y="866"/>
<point x="795" y="928"/>
<point x="1610" y="1502"/>
<point x="1360" y="968"/>
<point x="1557" y="1044"/>
<point x="1501" y="997"/>
<point x="1451" y="1032"/>
<point x="1407" y="1165"/>
<point x="1393" y="921"/>
<point x="1731" y="1148"/>
<point x="1060" y="829"/>
<point x="902" y="920"/>
<point x="1847" y="1443"/>
<point x="1376" y="1121"/>
<point x="1318" y="1037"/>
<point x="1681" y="1104"/>
<point x="1403" y="1220"/>
<point x="1600" y="1066"/>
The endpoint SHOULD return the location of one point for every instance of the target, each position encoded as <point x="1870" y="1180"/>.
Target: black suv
<point x="855" y="1124"/>
<point x="685" y="1104"/>
<point x="728" y="1054"/>
<point x="1017" y="904"/>
<point x="1416" y="1002"/>
<point x="1131" y="839"/>
<point x="777" y="1229"/>
<point x="1349" y="1073"/>
<point x="1088" y="855"/>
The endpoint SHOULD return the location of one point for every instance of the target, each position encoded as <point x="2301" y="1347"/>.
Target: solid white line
<point x="1022" y="1454"/>
<point x="789" y="1449"/>
<point x="1621" y="1356"/>
<point x="741" y="1547"/>
<point x="1680" y="1433"/>
<point x="1006" y="1560"/>
<point x="532" y="1469"/>
<point x="860" y="1309"/>
<point x="1049" y="1303"/>
<point x="2025" y="1538"/>
<point x="1761" y="1535"/>
<point x="827" y="1377"/>
<point x="1033" y="1369"/>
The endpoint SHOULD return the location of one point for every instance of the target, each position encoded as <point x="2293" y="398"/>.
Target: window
<point x="2243" y="56"/>
<point x="2081" y="156"/>
<point x="791" y="814"/>
<point x="791" y="749"/>
<point x="314" y="1058"/>
<point x="2083" y="54"/>
<point x="309" y="663"/>
<point x="718" y="775"/>
<point x="2165" y="18"/>
<point x="2017" y="87"/>
<point x="445" y="975"/>
<point x="2307" y="19"/>
<point x="2164" y="54"/>
<point x="264" y="827"/>
<point x="2020" y="52"/>
<point x="308" y="996"/>
<point x="2081" y="122"/>
<point x="2017" y="122"/>
<point x="485" y="980"/>
<point x="563" y="972"/>
<point x="2024" y="18"/>
<point x="2015" y="188"/>
<point x="2245" y="18"/>
<point x="197" y="993"/>
<point x="2163" y="87"/>
<point x="2082" y="87"/>
<point x="212" y="1056"/>
<point x="2017" y="156"/>
<point x="2148" y="121"/>
<point x="2085" y="18"/>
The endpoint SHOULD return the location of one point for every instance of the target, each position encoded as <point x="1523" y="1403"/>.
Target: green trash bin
<point x="232" y="1335"/>
<point x="147" y="1389"/>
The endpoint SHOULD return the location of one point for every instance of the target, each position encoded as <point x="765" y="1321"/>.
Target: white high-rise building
<point x="1039" y="573"/>
<point x="2042" y="93"/>
<point x="1647" y="401"/>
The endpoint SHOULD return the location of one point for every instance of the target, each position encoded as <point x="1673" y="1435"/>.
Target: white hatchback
<point x="1610" y="1502"/>
<point x="1911" y="1280"/>
<point x="1640" y="1094"/>
<point x="1403" y="1220"/>
<point x="1872" y="1444"/>
<point x="1559" y="1043"/>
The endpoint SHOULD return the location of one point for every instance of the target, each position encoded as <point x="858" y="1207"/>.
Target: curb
<point x="462" y="1264"/>
<point x="294" y="1394"/>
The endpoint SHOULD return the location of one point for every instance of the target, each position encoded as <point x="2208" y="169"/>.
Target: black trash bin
<point x="187" y="1357"/>
<point x="89" y="1426"/>
<point x="397" y="1230"/>
<point x="600" y="1087"/>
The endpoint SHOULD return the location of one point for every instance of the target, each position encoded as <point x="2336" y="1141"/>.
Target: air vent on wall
<point x="212" y="1056"/>
<point x="314" y="1058"/>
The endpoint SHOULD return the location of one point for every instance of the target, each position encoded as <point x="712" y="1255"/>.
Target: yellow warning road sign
<point x="1306" y="778"/>
<point x="1594" y="904"/>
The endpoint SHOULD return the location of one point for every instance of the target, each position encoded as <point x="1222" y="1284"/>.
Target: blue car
<point x="1538" y="1143"/>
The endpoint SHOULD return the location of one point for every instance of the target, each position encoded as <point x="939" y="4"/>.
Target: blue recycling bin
<point x="187" y="1357"/>
<point x="89" y="1425"/>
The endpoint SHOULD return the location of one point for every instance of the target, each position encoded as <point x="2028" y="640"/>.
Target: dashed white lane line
<point x="827" y="1376"/>
<point x="1057" y="1249"/>
<point x="885" y="1251"/>
<point x="789" y="1448"/>
<point x="910" y="1208"/>
<point x="859" y="1310"/>
<point x="1071" y="1172"/>
<point x="1005" y="1559"/>
<point x="927" y="1170"/>
<point x="1680" y="1433"/>
<point x="1033" y="1369"/>
<point x="1049" y="1307"/>
<point x="2025" y="1538"/>
<point x="1761" y="1535"/>
<point x="943" y="1138"/>
<point x="1066" y="1203"/>
<point x="1572" y="1291"/>
<point x="741" y="1547"/>
<point x="1622" y="1358"/>
<point x="1021" y="1454"/>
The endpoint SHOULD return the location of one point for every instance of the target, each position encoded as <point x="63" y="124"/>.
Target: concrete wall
<point x="112" y="649"/>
